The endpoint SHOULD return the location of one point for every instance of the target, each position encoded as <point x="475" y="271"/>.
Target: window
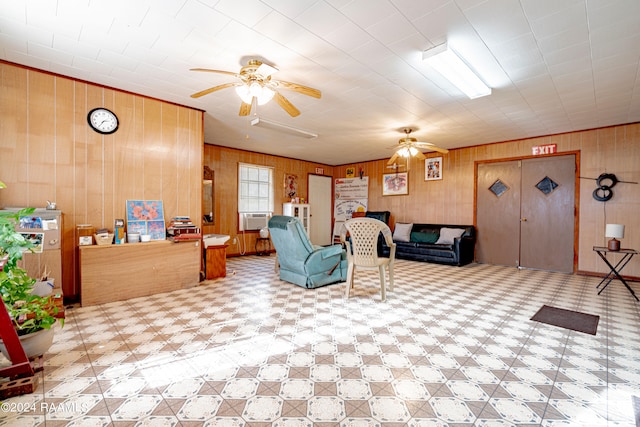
<point x="255" y="196"/>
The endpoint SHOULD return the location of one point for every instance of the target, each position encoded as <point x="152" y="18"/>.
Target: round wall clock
<point x="103" y="121"/>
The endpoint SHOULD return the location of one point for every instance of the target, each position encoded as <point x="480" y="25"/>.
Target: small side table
<point x="627" y="254"/>
<point x="263" y="246"/>
<point x="216" y="262"/>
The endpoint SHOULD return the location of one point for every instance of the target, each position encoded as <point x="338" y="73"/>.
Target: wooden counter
<point x="119" y="272"/>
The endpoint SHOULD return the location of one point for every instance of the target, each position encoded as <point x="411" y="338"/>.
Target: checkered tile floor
<point x="450" y="347"/>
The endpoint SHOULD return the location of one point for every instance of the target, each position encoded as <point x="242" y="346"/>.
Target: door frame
<point x="576" y="199"/>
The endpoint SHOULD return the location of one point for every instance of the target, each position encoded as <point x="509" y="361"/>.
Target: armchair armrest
<point x="324" y="259"/>
<point x="329" y="251"/>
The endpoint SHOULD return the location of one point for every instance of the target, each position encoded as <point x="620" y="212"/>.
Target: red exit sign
<point x="544" y="149"/>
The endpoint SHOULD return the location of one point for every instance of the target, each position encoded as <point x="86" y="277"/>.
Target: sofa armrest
<point x="464" y="248"/>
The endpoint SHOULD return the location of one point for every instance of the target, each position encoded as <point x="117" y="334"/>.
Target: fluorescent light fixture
<point x="260" y="122"/>
<point x="453" y="68"/>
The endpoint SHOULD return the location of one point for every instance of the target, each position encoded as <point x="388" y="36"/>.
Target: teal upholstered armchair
<point x="301" y="262"/>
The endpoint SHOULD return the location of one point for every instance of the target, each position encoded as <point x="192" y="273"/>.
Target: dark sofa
<point x="423" y="246"/>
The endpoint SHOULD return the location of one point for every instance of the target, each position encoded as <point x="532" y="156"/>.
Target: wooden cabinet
<point x="119" y="272"/>
<point x="216" y="261"/>
<point x="302" y="211"/>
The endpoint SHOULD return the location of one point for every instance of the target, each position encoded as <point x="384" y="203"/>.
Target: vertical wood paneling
<point x="13" y="132"/>
<point x="152" y="142"/>
<point x="169" y="164"/>
<point x="41" y="131"/>
<point x="64" y="185"/>
<point x="78" y="212"/>
<point x="48" y="152"/>
<point x="181" y="159"/>
<point x="127" y="176"/>
<point x="93" y="167"/>
<point x="108" y="164"/>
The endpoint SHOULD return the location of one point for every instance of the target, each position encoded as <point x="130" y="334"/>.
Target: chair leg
<point x="390" y="266"/>
<point x="383" y="291"/>
<point x="350" y="271"/>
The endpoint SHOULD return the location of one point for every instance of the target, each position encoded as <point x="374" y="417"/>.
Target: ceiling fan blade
<point x="245" y="109"/>
<point x="305" y="90"/>
<point x="438" y="149"/>
<point x="420" y="155"/>
<point x="430" y="146"/>
<point x="286" y="105"/>
<point x="207" y="70"/>
<point x="265" y="70"/>
<point x="213" y="89"/>
<point x="393" y="158"/>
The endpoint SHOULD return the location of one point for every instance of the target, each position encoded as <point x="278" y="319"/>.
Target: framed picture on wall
<point x="290" y="186"/>
<point x="433" y="169"/>
<point x="395" y="184"/>
<point x="351" y="172"/>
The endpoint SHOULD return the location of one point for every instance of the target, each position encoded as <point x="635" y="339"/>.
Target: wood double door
<point x="526" y="212"/>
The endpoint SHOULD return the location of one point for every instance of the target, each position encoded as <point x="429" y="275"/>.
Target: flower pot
<point x="34" y="344"/>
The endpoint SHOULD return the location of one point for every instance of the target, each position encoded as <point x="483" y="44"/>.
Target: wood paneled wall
<point x="451" y="200"/>
<point x="224" y="162"/>
<point x="48" y="152"/>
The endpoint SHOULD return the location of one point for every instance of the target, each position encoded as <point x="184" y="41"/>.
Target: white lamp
<point x="615" y="231"/>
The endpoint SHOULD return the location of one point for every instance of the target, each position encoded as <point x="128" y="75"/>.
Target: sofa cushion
<point x="447" y="235"/>
<point x="402" y="232"/>
<point x="424" y="237"/>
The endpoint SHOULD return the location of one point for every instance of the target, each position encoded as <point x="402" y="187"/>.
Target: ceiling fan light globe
<point x="404" y="152"/>
<point x="265" y="96"/>
<point x="255" y="89"/>
<point x="244" y="94"/>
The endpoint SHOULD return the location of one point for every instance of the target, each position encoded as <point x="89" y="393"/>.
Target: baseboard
<point x="599" y="274"/>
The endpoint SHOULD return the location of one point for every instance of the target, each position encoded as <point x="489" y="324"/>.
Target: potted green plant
<point x="32" y="315"/>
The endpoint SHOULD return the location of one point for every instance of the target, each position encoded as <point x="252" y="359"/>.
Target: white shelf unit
<point x="302" y="211"/>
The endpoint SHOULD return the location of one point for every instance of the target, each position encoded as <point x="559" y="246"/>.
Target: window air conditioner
<point x="253" y="221"/>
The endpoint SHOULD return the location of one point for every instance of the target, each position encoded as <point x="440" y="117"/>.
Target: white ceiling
<point x="554" y="65"/>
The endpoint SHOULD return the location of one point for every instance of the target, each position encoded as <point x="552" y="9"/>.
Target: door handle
<point x="524" y="220"/>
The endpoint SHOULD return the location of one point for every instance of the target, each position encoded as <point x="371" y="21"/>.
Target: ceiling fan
<point x="409" y="146"/>
<point x="256" y="84"/>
